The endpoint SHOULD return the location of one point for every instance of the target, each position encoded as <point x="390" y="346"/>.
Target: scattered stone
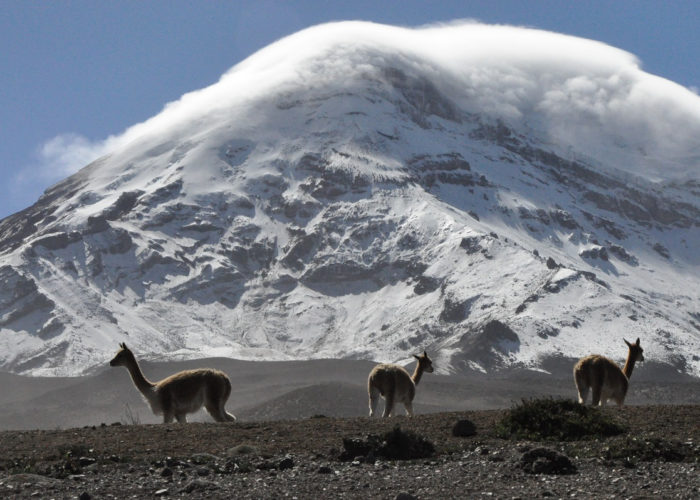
<point x="650" y="449"/>
<point x="265" y="465"/>
<point x="546" y="461"/>
<point x="166" y="472"/>
<point x="285" y="463"/>
<point x="204" y="458"/>
<point x="664" y="454"/>
<point x="199" y="485"/>
<point x="242" y="465"/>
<point x="405" y="496"/>
<point x="356" y="447"/>
<point x="242" y="449"/>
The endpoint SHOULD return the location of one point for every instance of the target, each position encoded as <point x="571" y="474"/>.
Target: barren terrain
<point x="658" y="458"/>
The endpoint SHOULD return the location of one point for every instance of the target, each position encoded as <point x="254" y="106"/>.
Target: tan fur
<point x="393" y="383"/>
<point x="605" y="377"/>
<point x="181" y="393"/>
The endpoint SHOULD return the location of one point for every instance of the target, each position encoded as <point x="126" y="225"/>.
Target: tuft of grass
<point x="652" y="449"/>
<point x="404" y="445"/>
<point x="393" y="445"/>
<point x="130" y="417"/>
<point x="72" y="450"/>
<point x="242" y="449"/>
<point x="556" y="420"/>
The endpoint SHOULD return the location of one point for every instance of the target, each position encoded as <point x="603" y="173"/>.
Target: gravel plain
<point x="658" y="457"/>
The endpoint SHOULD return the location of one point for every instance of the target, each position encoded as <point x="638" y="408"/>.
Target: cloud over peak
<point x="576" y="93"/>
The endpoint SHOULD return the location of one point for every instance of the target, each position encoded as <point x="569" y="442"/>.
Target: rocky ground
<point x="658" y="457"/>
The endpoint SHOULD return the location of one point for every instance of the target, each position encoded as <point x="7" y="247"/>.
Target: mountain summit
<point x="498" y="196"/>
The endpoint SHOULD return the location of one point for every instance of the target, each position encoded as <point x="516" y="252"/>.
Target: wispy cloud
<point x="66" y="153"/>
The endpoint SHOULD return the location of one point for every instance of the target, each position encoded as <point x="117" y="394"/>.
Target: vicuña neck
<point x="417" y="374"/>
<point x="141" y="382"/>
<point x="629" y="366"/>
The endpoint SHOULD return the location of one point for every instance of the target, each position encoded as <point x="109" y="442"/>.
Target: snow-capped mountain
<point x="498" y="196"/>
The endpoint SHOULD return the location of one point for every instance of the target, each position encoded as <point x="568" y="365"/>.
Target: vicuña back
<point x="604" y="377"/>
<point x="393" y="383"/>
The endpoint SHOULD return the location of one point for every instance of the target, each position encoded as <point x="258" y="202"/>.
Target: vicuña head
<point x="604" y="377"/>
<point x="393" y="383"/>
<point x="182" y="393"/>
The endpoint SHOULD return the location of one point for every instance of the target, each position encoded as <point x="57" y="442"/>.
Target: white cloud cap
<point x="575" y="93"/>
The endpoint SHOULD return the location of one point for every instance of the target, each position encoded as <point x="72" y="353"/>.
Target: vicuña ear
<point x="416" y="357"/>
<point x="628" y="344"/>
<point x="637" y="340"/>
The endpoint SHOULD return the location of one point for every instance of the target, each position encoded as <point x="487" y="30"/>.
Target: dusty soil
<point x="658" y="458"/>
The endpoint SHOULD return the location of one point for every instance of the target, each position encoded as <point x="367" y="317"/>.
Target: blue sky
<point x="92" y="68"/>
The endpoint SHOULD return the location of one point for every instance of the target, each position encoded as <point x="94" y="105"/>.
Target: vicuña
<point x="605" y="377"/>
<point x="181" y="393"/>
<point x="394" y="384"/>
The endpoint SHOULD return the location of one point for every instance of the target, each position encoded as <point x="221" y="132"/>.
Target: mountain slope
<point x="350" y="191"/>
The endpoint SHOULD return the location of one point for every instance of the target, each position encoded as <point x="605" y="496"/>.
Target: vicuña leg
<point x="389" y="403"/>
<point x="373" y="400"/>
<point x="409" y="408"/>
<point x="582" y="393"/>
<point x="597" y="389"/>
<point x="181" y="418"/>
<point x="219" y="413"/>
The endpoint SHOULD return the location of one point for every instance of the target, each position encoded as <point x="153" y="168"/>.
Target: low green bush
<point x="556" y="420"/>
<point x="393" y="445"/>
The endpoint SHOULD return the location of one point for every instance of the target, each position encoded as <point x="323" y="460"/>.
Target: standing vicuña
<point x="393" y="383"/>
<point x="604" y="376"/>
<point x="182" y="393"/>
